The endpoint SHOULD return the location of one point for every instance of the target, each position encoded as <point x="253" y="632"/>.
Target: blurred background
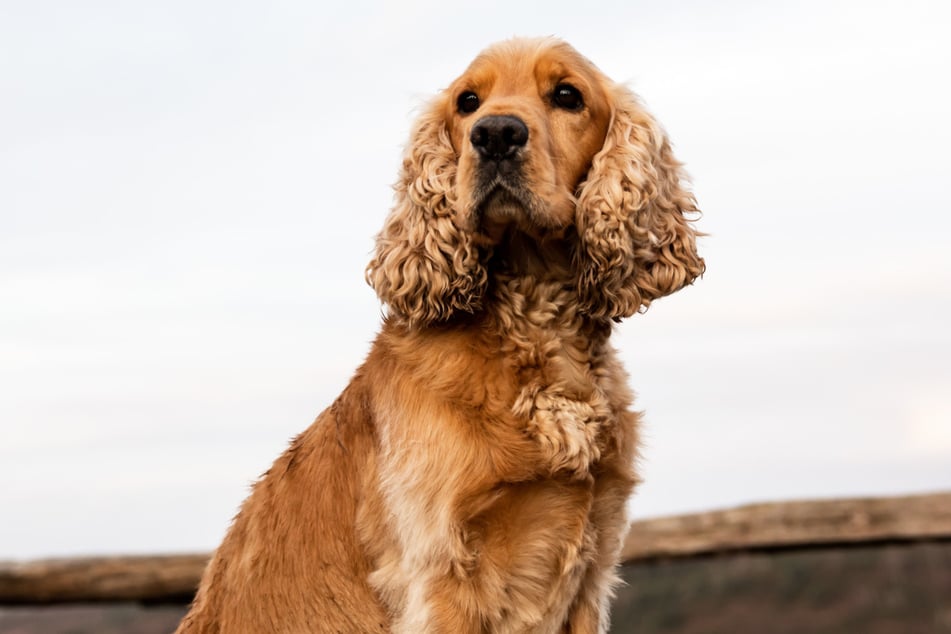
<point x="189" y="194"/>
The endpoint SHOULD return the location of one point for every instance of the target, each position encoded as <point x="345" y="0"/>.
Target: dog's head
<point x="534" y="139"/>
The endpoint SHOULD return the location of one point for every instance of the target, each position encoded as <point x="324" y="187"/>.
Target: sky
<point x="189" y="193"/>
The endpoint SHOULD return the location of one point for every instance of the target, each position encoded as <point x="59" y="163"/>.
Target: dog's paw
<point x="566" y="431"/>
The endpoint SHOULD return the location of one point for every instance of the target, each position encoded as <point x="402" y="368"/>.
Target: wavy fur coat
<point x="473" y="475"/>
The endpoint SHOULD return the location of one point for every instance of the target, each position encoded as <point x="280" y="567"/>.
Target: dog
<point x="473" y="475"/>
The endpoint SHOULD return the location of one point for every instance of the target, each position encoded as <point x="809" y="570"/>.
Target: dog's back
<point x="291" y="561"/>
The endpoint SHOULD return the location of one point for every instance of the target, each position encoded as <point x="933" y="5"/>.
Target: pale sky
<point x="189" y="193"/>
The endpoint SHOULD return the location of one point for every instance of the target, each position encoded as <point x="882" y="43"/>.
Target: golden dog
<point x="473" y="475"/>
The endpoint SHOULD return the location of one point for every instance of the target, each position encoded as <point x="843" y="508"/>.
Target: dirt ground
<point x="884" y="589"/>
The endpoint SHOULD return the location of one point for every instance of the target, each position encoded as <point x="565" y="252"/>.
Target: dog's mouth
<point x="500" y="204"/>
<point x="499" y="209"/>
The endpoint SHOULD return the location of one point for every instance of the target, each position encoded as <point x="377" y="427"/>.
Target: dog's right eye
<point x="467" y="102"/>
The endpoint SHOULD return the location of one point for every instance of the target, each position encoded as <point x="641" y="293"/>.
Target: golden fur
<point x="473" y="475"/>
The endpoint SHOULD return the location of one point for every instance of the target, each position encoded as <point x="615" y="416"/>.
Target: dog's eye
<point x="568" y="97"/>
<point x="467" y="102"/>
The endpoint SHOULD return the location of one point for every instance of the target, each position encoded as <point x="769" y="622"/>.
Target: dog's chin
<point x="498" y="212"/>
<point x="502" y="211"/>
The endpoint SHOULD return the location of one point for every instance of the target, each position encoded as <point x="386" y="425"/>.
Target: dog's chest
<point x="487" y="429"/>
<point x="556" y="384"/>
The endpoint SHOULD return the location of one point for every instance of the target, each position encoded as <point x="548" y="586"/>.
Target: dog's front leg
<point x="590" y="612"/>
<point x="434" y="589"/>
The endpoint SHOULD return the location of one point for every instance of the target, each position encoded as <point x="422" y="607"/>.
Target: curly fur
<point x="636" y="243"/>
<point x="473" y="475"/>
<point x="426" y="268"/>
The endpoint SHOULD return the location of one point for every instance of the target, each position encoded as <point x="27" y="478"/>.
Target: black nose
<point x="498" y="136"/>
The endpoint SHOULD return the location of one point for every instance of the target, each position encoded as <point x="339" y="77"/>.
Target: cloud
<point x="191" y="193"/>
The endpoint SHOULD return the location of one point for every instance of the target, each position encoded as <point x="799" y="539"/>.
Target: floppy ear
<point x="425" y="267"/>
<point x="635" y="239"/>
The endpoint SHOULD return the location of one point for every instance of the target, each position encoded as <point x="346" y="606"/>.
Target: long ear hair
<point x="426" y="267"/>
<point x="635" y="239"/>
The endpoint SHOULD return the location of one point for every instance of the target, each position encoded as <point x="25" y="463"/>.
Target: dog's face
<point x="525" y="119"/>
<point x="533" y="140"/>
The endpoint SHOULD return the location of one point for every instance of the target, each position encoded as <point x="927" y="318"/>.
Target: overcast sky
<point x="189" y="193"/>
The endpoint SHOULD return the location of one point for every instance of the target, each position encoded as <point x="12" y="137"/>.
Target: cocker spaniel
<point x="473" y="475"/>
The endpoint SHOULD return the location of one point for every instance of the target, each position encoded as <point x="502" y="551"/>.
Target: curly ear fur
<point x="425" y="267"/>
<point x="635" y="239"/>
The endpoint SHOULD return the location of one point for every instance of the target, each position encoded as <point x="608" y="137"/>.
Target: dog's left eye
<point x="568" y="97"/>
